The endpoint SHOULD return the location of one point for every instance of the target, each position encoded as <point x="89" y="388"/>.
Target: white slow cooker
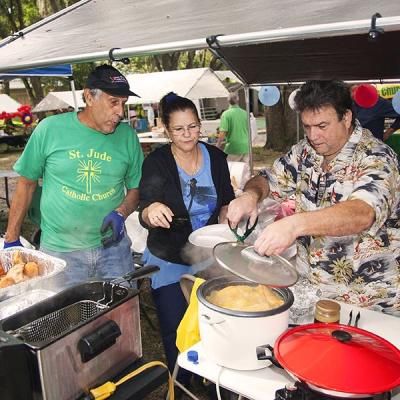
<point x="230" y="337"/>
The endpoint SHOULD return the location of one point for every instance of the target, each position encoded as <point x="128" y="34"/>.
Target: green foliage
<point x="31" y="13"/>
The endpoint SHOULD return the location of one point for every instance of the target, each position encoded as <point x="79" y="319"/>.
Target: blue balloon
<point x="269" y="95"/>
<point x="396" y="102"/>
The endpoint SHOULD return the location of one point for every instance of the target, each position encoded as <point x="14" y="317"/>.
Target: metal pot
<point x="230" y="337"/>
<point x="351" y="362"/>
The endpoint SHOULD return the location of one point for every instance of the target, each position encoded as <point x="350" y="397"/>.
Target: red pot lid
<point x="339" y="358"/>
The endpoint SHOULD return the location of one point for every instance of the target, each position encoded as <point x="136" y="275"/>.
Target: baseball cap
<point x="109" y="80"/>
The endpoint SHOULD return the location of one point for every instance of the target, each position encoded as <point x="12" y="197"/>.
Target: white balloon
<point x="292" y="103"/>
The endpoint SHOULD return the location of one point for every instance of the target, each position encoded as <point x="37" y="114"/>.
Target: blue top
<point x="200" y="198"/>
<point x="373" y="118"/>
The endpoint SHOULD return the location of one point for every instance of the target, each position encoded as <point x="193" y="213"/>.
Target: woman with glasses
<point x="185" y="185"/>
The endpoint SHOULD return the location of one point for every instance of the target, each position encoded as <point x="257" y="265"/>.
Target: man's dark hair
<point x="171" y="102"/>
<point x="316" y="94"/>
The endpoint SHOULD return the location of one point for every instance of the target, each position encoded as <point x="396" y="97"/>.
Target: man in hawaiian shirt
<point x="346" y="185"/>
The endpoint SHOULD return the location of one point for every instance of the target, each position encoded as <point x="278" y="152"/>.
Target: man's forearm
<point x="21" y="201"/>
<point x="130" y="203"/>
<point x="347" y="218"/>
<point x="257" y="186"/>
<point x="220" y="139"/>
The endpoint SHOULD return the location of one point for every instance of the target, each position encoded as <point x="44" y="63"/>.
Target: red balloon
<point x="366" y="95"/>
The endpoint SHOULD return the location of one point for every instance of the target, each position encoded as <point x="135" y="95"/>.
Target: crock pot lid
<point x="339" y="358"/>
<point x="243" y="261"/>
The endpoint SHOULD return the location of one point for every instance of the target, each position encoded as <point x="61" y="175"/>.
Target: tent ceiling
<point x="57" y="70"/>
<point x="327" y="58"/>
<point x="88" y="30"/>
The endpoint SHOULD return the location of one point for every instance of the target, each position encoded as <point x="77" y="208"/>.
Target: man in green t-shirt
<point x="90" y="166"/>
<point x="234" y="129"/>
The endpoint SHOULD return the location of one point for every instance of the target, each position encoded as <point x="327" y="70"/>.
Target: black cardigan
<point x="160" y="183"/>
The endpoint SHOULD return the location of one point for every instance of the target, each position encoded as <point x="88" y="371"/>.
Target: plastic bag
<point x="188" y="332"/>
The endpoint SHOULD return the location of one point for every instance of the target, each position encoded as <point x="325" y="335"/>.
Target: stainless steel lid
<point x="243" y="261"/>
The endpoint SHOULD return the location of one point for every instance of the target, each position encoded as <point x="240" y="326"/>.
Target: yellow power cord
<point x="107" y="389"/>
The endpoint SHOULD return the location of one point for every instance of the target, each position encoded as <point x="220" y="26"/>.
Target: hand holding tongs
<point x="248" y="230"/>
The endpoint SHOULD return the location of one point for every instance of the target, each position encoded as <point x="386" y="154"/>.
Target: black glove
<point x="116" y="222"/>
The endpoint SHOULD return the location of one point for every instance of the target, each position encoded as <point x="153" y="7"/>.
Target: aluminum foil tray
<point x="48" y="267"/>
<point x="18" y="303"/>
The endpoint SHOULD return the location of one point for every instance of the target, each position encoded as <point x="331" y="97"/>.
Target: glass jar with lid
<point x="327" y="311"/>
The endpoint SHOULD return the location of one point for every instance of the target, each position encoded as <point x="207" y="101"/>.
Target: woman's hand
<point x="159" y="215"/>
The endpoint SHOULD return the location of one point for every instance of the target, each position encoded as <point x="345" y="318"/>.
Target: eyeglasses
<point x="321" y="188"/>
<point x="180" y="130"/>
<point x="192" y="191"/>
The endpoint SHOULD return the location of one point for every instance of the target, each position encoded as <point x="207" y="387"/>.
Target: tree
<point x="281" y="122"/>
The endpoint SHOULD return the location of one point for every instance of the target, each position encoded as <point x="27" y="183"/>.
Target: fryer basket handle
<point x="139" y="273"/>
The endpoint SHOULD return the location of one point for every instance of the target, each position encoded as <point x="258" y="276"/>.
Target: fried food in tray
<point x="19" y="271"/>
<point x="22" y="267"/>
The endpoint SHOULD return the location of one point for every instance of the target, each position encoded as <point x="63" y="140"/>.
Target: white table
<point x="262" y="384"/>
<point x="6" y="174"/>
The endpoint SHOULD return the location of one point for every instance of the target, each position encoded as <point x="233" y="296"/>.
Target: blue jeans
<point x="91" y="264"/>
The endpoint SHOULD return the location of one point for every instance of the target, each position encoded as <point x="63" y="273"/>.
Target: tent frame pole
<point x="72" y="84"/>
<point x="247" y="100"/>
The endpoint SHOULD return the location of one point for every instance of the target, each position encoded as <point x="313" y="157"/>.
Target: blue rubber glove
<point x="116" y="222"/>
<point x="13" y="244"/>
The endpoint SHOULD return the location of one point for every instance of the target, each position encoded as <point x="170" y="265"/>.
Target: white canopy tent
<point x="59" y="100"/>
<point x="262" y="41"/>
<point x="197" y="83"/>
<point x="8" y="104"/>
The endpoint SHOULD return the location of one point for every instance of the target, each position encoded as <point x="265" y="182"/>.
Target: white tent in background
<point x="59" y="100"/>
<point x="8" y="104"/>
<point x="197" y="83"/>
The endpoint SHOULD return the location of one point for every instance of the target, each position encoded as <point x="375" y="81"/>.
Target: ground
<point x="152" y="347"/>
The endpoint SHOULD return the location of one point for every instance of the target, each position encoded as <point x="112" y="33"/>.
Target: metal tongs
<point x="356" y="319"/>
<point x="248" y="230"/>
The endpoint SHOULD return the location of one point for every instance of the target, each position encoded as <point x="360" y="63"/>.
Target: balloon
<point x="269" y="95"/>
<point x="292" y="103"/>
<point x="396" y="102"/>
<point x="27" y="119"/>
<point x="365" y="95"/>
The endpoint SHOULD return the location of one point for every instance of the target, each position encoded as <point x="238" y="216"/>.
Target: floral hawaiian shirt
<point x="361" y="269"/>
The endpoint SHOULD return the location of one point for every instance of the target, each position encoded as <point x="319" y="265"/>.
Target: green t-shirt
<point x="85" y="174"/>
<point x="234" y="123"/>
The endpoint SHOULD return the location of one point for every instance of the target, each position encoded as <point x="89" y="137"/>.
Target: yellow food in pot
<point x="246" y="298"/>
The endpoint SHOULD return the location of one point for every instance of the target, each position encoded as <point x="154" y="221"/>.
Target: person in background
<point x="133" y="118"/>
<point x="149" y="115"/>
<point x="185" y="185"/>
<point x="90" y="165"/>
<point x="373" y="118"/>
<point x="346" y="186"/>
<point x="234" y="130"/>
